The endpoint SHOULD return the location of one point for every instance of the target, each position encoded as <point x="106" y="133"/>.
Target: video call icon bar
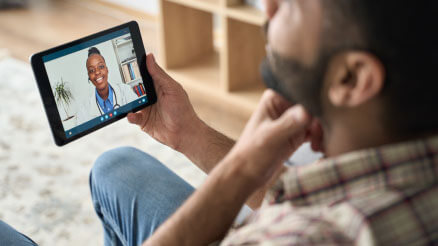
<point x="103" y="118"/>
<point x="110" y="115"/>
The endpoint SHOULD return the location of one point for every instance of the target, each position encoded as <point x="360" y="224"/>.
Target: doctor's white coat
<point x="90" y="109"/>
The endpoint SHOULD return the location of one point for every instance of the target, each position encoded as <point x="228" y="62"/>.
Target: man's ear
<point x="358" y="78"/>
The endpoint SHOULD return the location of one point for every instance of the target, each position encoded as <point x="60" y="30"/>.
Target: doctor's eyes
<point x="93" y="70"/>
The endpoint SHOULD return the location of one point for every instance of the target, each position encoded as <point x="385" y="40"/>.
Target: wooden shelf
<point x="188" y="36"/>
<point x="247" y="14"/>
<point x="245" y="49"/>
<point x="205" y="5"/>
<point x="203" y="78"/>
<point x="124" y="42"/>
<point x="246" y="99"/>
<point x="128" y="61"/>
<point x="202" y="74"/>
<point x="135" y="81"/>
<point x="226" y="76"/>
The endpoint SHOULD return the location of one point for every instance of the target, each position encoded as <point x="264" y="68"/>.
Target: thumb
<point x="156" y="72"/>
<point x="293" y="121"/>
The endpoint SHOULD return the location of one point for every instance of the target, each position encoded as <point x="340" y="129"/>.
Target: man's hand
<point x="274" y="131"/>
<point x="272" y="134"/>
<point x="173" y="122"/>
<point x="172" y="118"/>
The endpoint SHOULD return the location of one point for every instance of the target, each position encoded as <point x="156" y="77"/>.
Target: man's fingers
<point x="279" y="103"/>
<point x="152" y="66"/>
<point x="134" y="118"/>
<point x="294" y="120"/>
<point x="272" y="104"/>
<point x="271" y="7"/>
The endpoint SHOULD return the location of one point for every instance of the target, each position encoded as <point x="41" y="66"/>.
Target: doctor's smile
<point x="106" y="96"/>
<point x="100" y="79"/>
<point x="98" y="73"/>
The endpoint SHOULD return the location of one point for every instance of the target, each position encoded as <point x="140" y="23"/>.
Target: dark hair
<point x="93" y="50"/>
<point x="401" y="34"/>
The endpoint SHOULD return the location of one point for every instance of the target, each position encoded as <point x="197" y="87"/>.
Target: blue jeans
<point x="133" y="194"/>
<point x="9" y="236"/>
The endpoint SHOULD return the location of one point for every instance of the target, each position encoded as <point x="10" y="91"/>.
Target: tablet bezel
<point x="48" y="98"/>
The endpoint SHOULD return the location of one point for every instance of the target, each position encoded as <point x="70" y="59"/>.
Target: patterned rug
<point x="43" y="188"/>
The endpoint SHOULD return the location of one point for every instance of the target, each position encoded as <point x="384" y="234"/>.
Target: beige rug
<point x="43" y="188"/>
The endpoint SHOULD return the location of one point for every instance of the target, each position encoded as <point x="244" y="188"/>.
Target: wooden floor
<point x="48" y="23"/>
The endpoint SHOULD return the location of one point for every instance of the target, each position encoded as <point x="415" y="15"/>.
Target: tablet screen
<point x="94" y="81"/>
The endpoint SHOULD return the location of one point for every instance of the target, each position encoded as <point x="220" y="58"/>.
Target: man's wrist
<point x="191" y="135"/>
<point x="203" y="145"/>
<point x="239" y="167"/>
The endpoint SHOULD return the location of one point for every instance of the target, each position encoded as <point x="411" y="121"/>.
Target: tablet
<point x="94" y="81"/>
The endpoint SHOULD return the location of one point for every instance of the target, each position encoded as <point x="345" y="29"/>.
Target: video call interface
<point x="95" y="81"/>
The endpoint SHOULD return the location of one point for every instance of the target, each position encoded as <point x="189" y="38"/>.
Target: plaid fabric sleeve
<point x="285" y="225"/>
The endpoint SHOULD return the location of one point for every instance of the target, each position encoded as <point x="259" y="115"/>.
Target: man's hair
<point x="401" y="34"/>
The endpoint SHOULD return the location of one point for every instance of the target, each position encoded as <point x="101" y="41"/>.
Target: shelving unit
<point x="228" y="74"/>
<point x="127" y="63"/>
<point x="206" y="5"/>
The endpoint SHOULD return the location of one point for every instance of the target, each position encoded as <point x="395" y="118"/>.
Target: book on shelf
<point x="136" y="91"/>
<point x="126" y="73"/>
<point x="136" y="69"/>
<point x="139" y="90"/>
<point x="131" y="71"/>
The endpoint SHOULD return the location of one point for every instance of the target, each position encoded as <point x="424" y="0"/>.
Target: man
<point x="362" y="72"/>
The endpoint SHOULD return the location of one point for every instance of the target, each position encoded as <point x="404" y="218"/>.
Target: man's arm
<point x="206" y="216"/>
<point x="268" y="139"/>
<point x="173" y="122"/>
<point x="207" y="147"/>
<point x="204" y="146"/>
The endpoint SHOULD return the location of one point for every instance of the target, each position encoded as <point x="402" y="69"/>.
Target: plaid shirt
<point x="379" y="196"/>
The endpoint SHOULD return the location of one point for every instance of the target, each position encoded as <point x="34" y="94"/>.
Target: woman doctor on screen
<point x="106" y="97"/>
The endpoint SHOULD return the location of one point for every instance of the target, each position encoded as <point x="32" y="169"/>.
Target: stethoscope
<point x="116" y="106"/>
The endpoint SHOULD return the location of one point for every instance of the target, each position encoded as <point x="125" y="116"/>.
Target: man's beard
<point x="296" y="82"/>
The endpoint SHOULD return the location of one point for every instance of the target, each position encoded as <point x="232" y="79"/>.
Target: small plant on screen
<point x="64" y="97"/>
